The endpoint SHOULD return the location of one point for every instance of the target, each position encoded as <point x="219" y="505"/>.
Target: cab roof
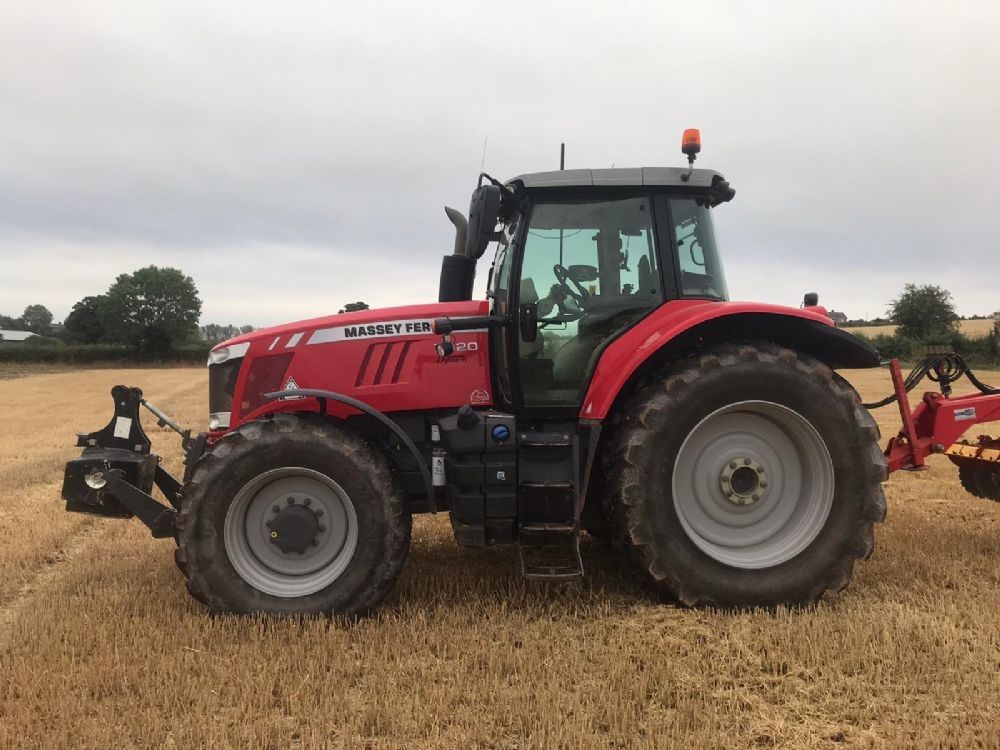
<point x="622" y="177"/>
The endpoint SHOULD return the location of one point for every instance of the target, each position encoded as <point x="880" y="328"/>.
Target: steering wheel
<point x="581" y="295"/>
<point x="561" y="300"/>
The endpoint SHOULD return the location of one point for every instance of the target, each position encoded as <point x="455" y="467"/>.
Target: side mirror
<point x="483" y="212"/>
<point x="528" y="322"/>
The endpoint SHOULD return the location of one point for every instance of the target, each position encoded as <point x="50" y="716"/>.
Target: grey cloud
<point x="221" y="138"/>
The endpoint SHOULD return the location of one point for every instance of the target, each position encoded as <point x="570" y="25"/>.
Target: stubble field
<point x="100" y="645"/>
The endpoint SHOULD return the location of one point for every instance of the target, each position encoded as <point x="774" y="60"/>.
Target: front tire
<point x="750" y="476"/>
<point x="292" y="515"/>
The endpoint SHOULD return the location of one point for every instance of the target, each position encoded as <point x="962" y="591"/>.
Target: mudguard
<point x="682" y="326"/>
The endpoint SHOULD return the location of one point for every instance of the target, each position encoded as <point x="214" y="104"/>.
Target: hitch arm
<point x="160" y="519"/>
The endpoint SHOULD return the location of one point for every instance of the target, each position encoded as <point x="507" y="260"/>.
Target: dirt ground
<point x="100" y="645"/>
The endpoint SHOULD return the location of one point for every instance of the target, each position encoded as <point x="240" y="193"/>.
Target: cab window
<point x="698" y="261"/>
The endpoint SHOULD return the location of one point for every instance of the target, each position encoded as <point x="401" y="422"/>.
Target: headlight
<point x="224" y="353"/>
<point x="219" y="420"/>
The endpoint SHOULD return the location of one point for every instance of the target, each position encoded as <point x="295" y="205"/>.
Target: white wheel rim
<point x="263" y="565"/>
<point x="761" y="526"/>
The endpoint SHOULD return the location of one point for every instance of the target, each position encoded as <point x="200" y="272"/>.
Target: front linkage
<point x="116" y="473"/>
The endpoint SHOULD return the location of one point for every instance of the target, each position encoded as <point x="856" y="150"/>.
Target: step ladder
<point x="548" y="512"/>
<point x="555" y="559"/>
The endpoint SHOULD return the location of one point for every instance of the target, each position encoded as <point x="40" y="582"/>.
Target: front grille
<point x="222" y="385"/>
<point x="265" y="376"/>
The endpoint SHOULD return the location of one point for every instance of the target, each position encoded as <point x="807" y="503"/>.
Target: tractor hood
<point x="377" y="323"/>
<point x="385" y="358"/>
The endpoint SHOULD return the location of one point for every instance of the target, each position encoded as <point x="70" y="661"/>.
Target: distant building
<point x="838" y="318"/>
<point x="14" y="337"/>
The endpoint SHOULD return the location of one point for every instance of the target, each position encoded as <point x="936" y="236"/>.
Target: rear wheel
<point x="748" y="477"/>
<point x="292" y="515"/>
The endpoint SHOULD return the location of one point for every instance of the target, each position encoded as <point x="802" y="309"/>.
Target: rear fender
<point x="684" y="327"/>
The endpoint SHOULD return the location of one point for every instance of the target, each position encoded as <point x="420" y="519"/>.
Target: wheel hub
<point x="743" y="481"/>
<point x="294" y="528"/>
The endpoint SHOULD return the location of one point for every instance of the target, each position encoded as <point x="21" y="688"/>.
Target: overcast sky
<point x="292" y="157"/>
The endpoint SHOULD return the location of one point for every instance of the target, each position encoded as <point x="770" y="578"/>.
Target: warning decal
<point x="291" y="385"/>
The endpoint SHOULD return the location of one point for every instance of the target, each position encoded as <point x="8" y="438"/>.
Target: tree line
<point x="925" y="316"/>
<point x="149" y="311"/>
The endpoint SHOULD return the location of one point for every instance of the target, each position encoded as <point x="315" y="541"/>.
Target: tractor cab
<point x="581" y="256"/>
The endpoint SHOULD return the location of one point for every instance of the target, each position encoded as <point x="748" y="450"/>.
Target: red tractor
<point x="605" y="384"/>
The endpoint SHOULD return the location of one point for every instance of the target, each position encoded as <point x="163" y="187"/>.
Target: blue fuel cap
<point x="500" y="433"/>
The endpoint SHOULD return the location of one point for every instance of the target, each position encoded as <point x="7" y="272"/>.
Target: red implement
<point x="935" y="424"/>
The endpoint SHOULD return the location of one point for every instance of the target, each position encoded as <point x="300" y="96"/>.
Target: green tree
<point x="214" y="333"/>
<point x="922" y="312"/>
<point x="37" y="319"/>
<point x="84" y="324"/>
<point x="355" y="306"/>
<point x="151" y="309"/>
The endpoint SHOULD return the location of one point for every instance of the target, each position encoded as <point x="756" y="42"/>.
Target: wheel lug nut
<point x="318" y="511"/>
<point x="729" y="493"/>
<point x="746" y="461"/>
<point x="756" y="496"/>
<point x="732" y="465"/>
<point x="276" y="508"/>
<point x="763" y="484"/>
<point x="291" y="501"/>
<point x="307" y="501"/>
<point x="322" y="529"/>
<point x="314" y="543"/>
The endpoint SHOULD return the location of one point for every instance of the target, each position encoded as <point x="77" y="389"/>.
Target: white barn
<point x="14" y="337"/>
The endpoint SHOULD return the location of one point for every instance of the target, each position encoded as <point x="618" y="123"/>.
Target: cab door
<point x="585" y="270"/>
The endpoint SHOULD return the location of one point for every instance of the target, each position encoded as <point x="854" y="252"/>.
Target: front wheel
<point x="292" y="515"/>
<point x="750" y="476"/>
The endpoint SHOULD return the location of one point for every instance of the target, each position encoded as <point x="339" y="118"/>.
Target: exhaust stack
<point x="461" y="228"/>
<point x="457" y="270"/>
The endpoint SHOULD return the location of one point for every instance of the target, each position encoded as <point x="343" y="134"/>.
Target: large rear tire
<point x="749" y="476"/>
<point x="292" y="515"/>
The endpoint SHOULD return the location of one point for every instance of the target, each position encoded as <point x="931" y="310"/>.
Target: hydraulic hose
<point x="944" y="369"/>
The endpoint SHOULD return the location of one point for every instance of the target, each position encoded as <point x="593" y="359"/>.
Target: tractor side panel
<point x="387" y="361"/>
<point x="628" y="352"/>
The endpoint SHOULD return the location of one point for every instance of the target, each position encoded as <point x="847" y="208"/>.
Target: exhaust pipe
<point x="458" y="271"/>
<point x="461" y="228"/>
